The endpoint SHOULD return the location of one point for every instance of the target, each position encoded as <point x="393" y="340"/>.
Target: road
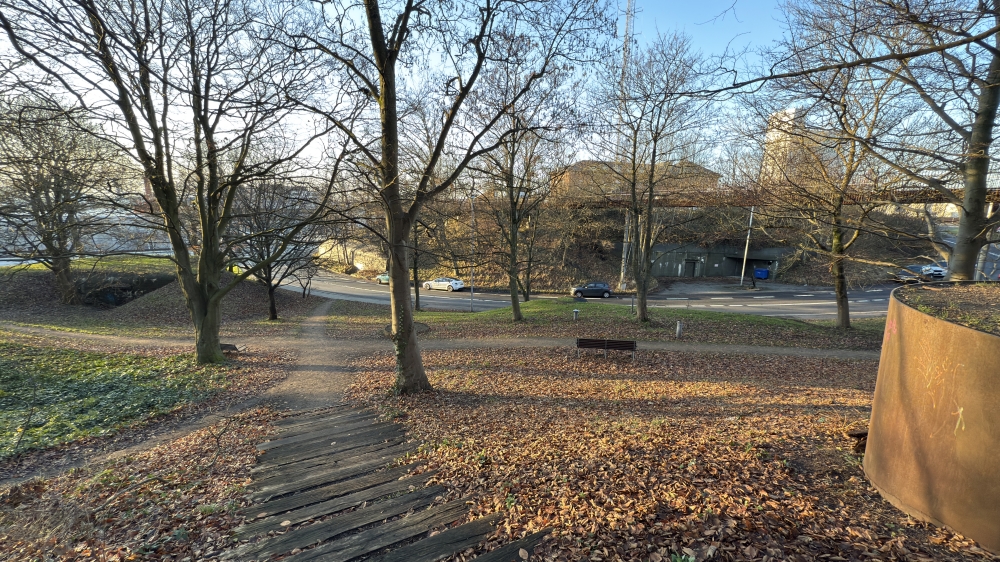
<point x="768" y="300"/>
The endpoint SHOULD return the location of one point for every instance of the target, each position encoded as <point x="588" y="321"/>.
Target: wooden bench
<point x="614" y="345"/>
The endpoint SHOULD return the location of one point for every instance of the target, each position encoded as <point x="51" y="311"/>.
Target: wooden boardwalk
<point x="324" y="490"/>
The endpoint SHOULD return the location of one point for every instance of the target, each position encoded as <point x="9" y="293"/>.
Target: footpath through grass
<point x="50" y="396"/>
<point x="554" y="318"/>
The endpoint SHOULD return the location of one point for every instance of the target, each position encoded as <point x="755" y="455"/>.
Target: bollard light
<point x="576" y="313"/>
<point x="679" y="328"/>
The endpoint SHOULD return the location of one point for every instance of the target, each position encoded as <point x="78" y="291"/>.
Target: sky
<point x="711" y="24"/>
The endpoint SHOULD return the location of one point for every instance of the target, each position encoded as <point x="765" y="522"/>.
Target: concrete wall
<point x="723" y="261"/>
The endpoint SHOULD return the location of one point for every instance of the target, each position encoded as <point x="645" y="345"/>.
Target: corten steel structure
<point x="934" y="439"/>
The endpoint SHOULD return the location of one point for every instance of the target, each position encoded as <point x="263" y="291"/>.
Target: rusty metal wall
<point x="934" y="438"/>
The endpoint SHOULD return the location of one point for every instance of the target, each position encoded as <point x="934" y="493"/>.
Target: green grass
<point x="54" y="396"/>
<point x="125" y="264"/>
<point x="554" y="318"/>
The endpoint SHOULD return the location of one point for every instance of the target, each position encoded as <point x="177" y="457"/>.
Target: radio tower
<point x="626" y="45"/>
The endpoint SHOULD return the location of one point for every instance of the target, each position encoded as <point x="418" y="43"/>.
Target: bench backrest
<point x="591" y="343"/>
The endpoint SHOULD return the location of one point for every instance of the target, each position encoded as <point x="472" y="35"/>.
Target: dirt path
<point x="321" y="374"/>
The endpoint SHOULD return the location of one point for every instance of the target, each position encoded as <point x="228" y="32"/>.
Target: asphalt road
<point x="768" y="300"/>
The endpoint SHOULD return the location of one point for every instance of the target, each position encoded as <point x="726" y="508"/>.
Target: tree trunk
<point x="60" y="267"/>
<point x="207" y="318"/>
<point x="839" y="280"/>
<point x="410" y="375"/>
<point x="272" y="307"/>
<point x="515" y="302"/>
<point x="642" y="280"/>
<point x="971" y="227"/>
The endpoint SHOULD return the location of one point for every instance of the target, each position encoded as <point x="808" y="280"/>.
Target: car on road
<point x="918" y="273"/>
<point x="382" y="279"/>
<point x="934" y="271"/>
<point x="592" y="289"/>
<point x="445" y="284"/>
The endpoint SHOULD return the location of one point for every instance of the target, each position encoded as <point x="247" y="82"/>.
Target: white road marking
<point x="808" y="295"/>
<point x="722" y="298"/>
<point x="767" y="297"/>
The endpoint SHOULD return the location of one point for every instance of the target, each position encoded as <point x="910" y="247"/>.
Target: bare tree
<point x="264" y="214"/>
<point x="531" y="136"/>
<point x="379" y="46"/>
<point x="644" y="122"/>
<point x="816" y="175"/>
<point x="188" y="88"/>
<point x="947" y="54"/>
<point x="54" y="173"/>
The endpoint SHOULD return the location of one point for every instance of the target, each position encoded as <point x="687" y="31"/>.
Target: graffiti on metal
<point x="934" y="438"/>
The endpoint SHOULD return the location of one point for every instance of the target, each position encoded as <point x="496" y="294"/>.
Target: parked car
<point x="918" y="273"/>
<point x="382" y="279"/>
<point x="934" y="271"/>
<point x="445" y="284"/>
<point x="592" y="289"/>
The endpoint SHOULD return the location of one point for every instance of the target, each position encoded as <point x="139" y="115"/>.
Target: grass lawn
<point x="29" y="298"/>
<point x="132" y="264"/>
<point x="50" y="396"/>
<point x="554" y="318"/>
<point x="677" y="456"/>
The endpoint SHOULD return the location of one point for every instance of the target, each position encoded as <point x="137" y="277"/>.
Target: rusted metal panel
<point x="934" y="438"/>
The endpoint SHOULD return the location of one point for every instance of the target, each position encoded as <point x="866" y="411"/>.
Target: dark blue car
<point x="592" y="289"/>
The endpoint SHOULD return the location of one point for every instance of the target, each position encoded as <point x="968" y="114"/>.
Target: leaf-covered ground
<point x="172" y="502"/>
<point x="554" y="318"/>
<point x="706" y="456"/>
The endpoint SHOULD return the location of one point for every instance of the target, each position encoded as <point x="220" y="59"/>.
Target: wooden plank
<point x="445" y="543"/>
<point x="326" y="492"/>
<point x="312" y="414"/>
<point x="390" y="453"/>
<point x="337" y="443"/>
<point x="331" y="506"/>
<point x="326" y="530"/>
<point x="320" y="432"/>
<point x="336" y="454"/>
<point x="377" y="538"/>
<point x="509" y="552"/>
<point x="324" y="424"/>
<point x="332" y="438"/>
<point x="322" y="477"/>
<point x="325" y="421"/>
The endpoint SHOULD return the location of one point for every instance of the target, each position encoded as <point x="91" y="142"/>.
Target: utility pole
<point x="472" y="268"/>
<point x="746" y="249"/>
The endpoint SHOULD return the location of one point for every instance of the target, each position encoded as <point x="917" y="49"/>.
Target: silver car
<point x="445" y="284"/>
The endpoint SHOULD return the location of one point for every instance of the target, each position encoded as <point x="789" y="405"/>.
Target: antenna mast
<point x="626" y="46"/>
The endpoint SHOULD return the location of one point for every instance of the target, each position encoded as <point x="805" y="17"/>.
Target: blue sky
<point x="711" y="24"/>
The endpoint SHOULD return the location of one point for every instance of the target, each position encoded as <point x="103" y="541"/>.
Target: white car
<point x="934" y="271"/>
<point x="445" y="284"/>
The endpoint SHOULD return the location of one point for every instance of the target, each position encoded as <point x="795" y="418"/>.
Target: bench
<point x="613" y="345"/>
